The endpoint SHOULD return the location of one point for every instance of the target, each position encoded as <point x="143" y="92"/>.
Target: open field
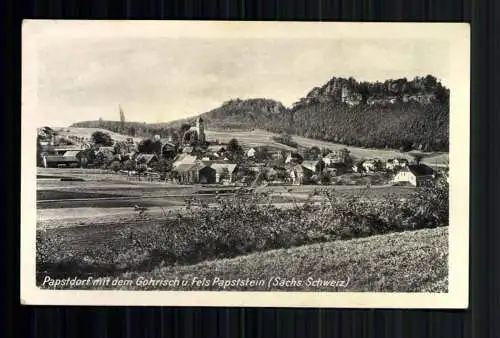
<point x="87" y="132"/>
<point x="264" y="138"/>
<point x="108" y="191"/>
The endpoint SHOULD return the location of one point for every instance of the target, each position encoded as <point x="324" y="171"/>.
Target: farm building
<point x="371" y="165"/>
<point x="314" y="166"/>
<point x="207" y="175"/>
<point x="336" y="157"/>
<point x="147" y="159"/>
<point x="415" y="174"/>
<point x="251" y="152"/>
<point x="69" y="157"/>
<point x="187" y="173"/>
<point x="184" y="159"/>
<point x="300" y="174"/>
<point x="396" y="163"/>
<point x="223" y="169"/>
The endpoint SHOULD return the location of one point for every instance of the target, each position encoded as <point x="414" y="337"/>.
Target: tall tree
<point x="122" y="119"/>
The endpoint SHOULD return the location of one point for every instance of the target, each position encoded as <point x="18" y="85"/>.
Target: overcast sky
<point x="167" y="78"/>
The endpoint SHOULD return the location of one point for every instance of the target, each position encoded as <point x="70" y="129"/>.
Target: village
<point x="196" y="160"/>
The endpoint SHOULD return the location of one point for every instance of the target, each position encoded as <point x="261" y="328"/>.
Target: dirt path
<point x="76" y="217"/>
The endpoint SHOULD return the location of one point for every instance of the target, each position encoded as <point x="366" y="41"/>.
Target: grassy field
<point x="411" y="261"/>
<point x="100" y="199"/>
<point x="87" y="132"/>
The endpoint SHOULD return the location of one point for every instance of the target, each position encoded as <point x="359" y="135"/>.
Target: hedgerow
<point x="234" y="227"/>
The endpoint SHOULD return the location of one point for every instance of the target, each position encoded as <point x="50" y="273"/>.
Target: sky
<point x="165" y="78"/>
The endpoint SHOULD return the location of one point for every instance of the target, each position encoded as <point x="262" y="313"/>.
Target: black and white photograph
<point x="245" y="163"/>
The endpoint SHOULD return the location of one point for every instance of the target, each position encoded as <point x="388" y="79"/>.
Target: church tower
<point x="200" y="128"/>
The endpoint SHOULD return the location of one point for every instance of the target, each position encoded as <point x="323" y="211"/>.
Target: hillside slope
<point x="86" y="132"/>
<point x="395" y="114"/>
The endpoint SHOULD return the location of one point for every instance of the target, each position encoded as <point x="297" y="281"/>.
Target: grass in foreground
<point x="412" y="261"/>
<point x="235" y="227"/>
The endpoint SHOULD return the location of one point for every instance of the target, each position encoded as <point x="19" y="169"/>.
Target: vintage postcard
<point x="276" y="164"/>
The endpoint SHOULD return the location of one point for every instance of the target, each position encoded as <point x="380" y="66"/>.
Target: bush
<point x="115" y="166"/>
<point x="101" y="138"/>
<point x="286" y="140"/>
<point x="242" y="225"/>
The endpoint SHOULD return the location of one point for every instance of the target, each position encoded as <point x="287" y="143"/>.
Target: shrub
<point x="115" y="166"/>
<point x="242" y="225"/>
<point x="101" y="138"/>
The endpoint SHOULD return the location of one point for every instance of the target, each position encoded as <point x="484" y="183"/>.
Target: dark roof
<point x="420" y="169"/>
<point x="147" y="157"/>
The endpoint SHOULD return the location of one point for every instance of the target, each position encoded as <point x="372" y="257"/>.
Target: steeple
<point x="200" y="129"/>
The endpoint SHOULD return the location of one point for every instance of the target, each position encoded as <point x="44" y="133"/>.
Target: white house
<point x="371" y="165"/>
<point x="251" y="152"/>
<point x="220" y="168"/>
<point x="336" y="157"/>
<point x="415" y="174"/>
<point x="293" y="157"/>
<point x="396" y="163"/>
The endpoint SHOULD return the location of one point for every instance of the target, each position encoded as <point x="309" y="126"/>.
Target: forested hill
<point x="392" y="114"/>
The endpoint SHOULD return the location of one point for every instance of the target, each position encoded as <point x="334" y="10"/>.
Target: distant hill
<point x="395" y="114"/>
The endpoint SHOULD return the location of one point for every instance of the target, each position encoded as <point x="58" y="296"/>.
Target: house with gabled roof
<point x="68" y="157"/>
<point x="372" y="165"/>
<point x="294" y="158"/>
<point x="299" y="174"/>
<point x="223" y="168"/>
<point x="314" y="166"/>
<point x="415" y="174"/>
<point x="184" y="159"/>
<point x="187" y="173"/>
<point x="395" y="163"/>
<point x="146" y="160"/>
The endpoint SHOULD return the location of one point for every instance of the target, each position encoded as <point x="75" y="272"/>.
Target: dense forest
<point x="398" y="114"/>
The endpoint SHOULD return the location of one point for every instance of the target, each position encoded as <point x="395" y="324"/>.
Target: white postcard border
<point x="458" y="36"/>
